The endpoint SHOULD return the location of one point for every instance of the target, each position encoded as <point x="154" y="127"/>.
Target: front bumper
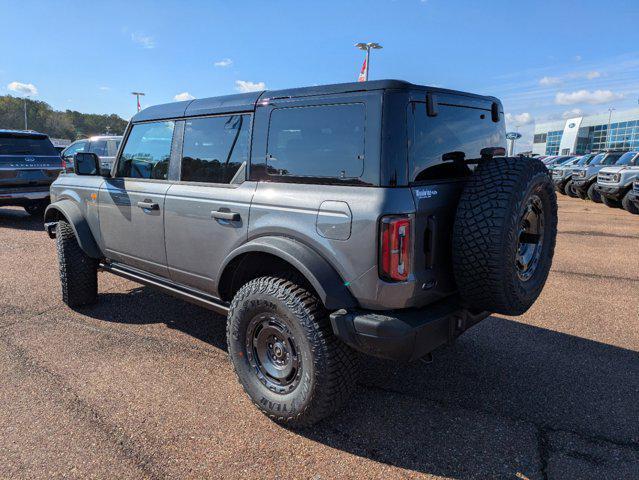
<point x="23" y="196"/>
<point x="611" y="192"/>
<point x="581" y="183"/>
<point x="404" y="335"/>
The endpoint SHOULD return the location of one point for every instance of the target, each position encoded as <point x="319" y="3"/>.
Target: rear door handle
<point x="221" y="215"/>
<point x="148" y="205"/>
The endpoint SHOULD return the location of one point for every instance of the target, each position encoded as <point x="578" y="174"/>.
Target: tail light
<point x="394" y="248"/>
<point x="64" y="165"/>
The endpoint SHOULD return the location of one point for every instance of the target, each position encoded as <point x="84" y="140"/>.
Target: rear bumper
<point x="403" y="335"/>
<point x="23" y="196"/>
<point x="611" y="192"/>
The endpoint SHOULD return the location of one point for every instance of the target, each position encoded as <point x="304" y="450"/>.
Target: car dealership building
<point x="580" y="135"/>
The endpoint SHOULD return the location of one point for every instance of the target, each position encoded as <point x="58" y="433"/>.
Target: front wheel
<point x="78" y="271"/>
<point x="629" y="205"/>
<point x="570" y="190"/>
<point x="285" y="354"/>
<point x="593" y="194"/>
<point x="610" y="202"/>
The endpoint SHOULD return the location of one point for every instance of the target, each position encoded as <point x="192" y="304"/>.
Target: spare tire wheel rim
<point x="530" y="239"/>
<point x="273" y="353"/>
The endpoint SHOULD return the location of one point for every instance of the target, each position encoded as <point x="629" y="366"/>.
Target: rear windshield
<point x="461" y="132"/>
<point x="12" y="145"/>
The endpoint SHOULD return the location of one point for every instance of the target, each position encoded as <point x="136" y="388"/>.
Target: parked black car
<point x="29" y="163"/>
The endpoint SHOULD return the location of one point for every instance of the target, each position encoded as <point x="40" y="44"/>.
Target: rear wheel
<point x="36" y="208"/>
<point x="504" y="235"/>
<point x="78" y="271"/>
<point x="593" y="194"/>
<point x="628" y="205"/>
<point x="610" y="202"/>
<point x="285" y="354"/>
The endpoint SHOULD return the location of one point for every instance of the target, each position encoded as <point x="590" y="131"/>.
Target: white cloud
<point x="180" y="97"/>
<point x="145" y="41"/>
<point x="578" y="58"/>
<point x="586" y="96"/>
<point x="575" y="112"/>
<point x="245" y="86"/>
<point x="104" y="88"/>
<point x="225" y="62"/>
<point x="592" y="75"/>
<point x="549" y="81"/>
<point x="524" y="118"/>
<point x="23" y="88"/>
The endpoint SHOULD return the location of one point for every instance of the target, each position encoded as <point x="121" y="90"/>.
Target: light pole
<point x="610" y="110"/>
<point x="137" y="96"/>
<point x="26" y="125"/>
<point x="367" y="47"/>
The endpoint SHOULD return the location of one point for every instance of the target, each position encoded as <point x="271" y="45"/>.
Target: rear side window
<point x="457" y="132"/>
<point x="320" y="141"/>
<point x="99" y="147"/>
<point x="74" y="148"/>
<point x="27" y="145"/>
<point x="147" y="151"/>
<point x="215" y="149"/>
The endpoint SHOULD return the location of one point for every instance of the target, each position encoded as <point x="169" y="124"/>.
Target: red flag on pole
<point x="138" y="103"/>
<point x="362" y="74"/>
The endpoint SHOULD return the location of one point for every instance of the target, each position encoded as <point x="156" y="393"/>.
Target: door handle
<point x="148" y="205"/>
<point x="221" y="215"/>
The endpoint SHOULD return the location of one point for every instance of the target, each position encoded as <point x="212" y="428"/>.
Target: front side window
<point x="147" y="151"/>
<point x="74" y="148"/>
<point x="215" y="149"/>
<point x="324" y="141"/>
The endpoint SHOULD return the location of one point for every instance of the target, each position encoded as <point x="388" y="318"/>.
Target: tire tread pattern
<point x="78" y="271"/>
<point x="335" y="364"/>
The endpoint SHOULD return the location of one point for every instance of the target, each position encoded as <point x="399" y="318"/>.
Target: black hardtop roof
<point x="5" y="132"/>
<point x="246" y="101"/>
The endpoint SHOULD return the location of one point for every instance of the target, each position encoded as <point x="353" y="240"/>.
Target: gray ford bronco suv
<point x="375" y="217"/>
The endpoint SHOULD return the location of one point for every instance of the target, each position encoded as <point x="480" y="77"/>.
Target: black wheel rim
<point x="531" y="238"/>
<point x="272" y="352"/>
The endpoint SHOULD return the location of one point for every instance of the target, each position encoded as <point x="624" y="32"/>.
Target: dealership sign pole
<point x="511" y="137"/>
<point x="363" y="76"/>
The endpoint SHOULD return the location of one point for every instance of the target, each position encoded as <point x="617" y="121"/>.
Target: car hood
<point x="618" y="169"/>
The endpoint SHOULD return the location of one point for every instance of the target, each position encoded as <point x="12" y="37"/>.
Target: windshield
<point x="569" y="161"/>
<point x="27" y="145"/>
<point x="611" y="158"/>
<point x="596" y="160"/>
<point x="584" y="160"/>
<point x="626" y="158"/>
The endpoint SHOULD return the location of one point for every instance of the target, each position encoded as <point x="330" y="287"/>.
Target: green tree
<point x="69" y="124"/>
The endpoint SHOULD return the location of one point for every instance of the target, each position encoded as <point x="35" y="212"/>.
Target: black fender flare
<point x="70" y="211"/>
<point x="318" y="272"/>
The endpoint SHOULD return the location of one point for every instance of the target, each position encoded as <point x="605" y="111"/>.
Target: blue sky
<point x="544" y="59"/>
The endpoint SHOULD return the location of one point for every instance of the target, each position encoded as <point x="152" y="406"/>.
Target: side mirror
<point x="86" y="164"/>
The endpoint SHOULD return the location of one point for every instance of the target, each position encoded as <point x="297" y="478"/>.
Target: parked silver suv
<point x="375" y="216"/>
<point x="104" y="146"/>
<point x="584" y="178"/>
<point x="615" y="183"/>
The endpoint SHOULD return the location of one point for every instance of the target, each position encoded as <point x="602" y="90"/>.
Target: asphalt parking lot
<point x="139" y="385"/>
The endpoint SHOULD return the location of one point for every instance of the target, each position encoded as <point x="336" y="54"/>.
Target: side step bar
<point x="179" y="291"/>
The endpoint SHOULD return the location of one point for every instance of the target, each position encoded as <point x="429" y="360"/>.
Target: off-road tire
<point x="328" y="366"/>
<point x="570" y="190"/>
<point x="486" y="234"/>
<point x="78" y="271"/>
<point x="628" y="205"/>
<point x="36" y="209"/>
<point x="610" y="202"/>
<point x="581" y="194"/>
<point x="593" y="194"/>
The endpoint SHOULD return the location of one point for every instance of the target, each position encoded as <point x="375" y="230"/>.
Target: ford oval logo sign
<point x="513" y="136"/>
<point x="572" y="125"/>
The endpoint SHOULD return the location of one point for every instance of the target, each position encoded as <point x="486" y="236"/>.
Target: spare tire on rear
<point x="504" y="235"/>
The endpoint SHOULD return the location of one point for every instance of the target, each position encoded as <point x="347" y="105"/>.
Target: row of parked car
<point x="610" y="177"/>
<point x="29" y="163"/>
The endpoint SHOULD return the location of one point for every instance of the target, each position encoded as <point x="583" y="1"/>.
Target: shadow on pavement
<point x="485" y="406"/>
<point x="19" y="219"/>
